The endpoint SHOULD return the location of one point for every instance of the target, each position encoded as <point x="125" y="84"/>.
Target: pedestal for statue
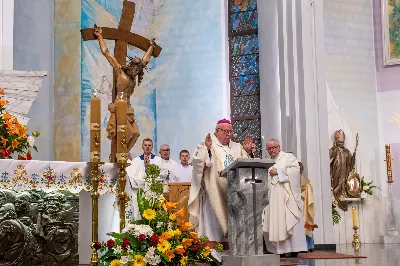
<point x="247" y="198"/>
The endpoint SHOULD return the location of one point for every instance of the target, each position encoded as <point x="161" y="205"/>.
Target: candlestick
<point x="388" y="164"/>
<point x="95" y="114"/>
<point x="354" y="216"/>
<point x="121" y="113"/>
<point x="121" y="192"/>
<point x="356" y="238"/>
<point x="263" y="148"/>
<point x="95" y="173"/>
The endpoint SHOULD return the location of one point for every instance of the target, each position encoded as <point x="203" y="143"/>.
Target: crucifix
<point x="124" y="75"/>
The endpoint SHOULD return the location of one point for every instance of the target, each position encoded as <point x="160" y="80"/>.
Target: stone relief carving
<point x="38" y="228"/>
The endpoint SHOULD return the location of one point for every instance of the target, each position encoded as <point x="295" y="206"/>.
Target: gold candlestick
<point x="122" y="120"/>
<point x="121" y="192"/>
<point x="95" y="116"/>
<point x="356" y="238"/>
<point x="388" y="164"/>
<point x="95" y="173"/>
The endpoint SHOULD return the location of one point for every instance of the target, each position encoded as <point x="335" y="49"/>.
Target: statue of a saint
<point x="342" y="162"/>
<point x="125" y="76"/>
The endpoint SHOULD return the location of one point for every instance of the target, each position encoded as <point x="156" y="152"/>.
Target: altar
<point x="28" y="179"/>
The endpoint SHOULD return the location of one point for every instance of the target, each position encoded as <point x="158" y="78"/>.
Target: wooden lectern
<point x="179" y="192"/>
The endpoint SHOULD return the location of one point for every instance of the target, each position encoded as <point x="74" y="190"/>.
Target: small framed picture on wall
<point x="391" y="31"/>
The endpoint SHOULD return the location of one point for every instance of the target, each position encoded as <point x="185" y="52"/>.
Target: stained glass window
<point x="244" y="77"/>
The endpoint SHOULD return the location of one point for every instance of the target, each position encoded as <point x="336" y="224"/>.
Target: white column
<point x="6" y="34"/>
<point x="270" y="105"/>
<point x="292" y="77"/>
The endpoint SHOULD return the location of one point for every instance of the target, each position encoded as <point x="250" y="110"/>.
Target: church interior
<point x="102" y="101"/>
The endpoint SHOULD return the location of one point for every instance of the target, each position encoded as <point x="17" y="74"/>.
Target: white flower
<point x="150" y="258"/>
<point x="170" y="226"/>
<point x="124" y="259"/>
<point x="159" y="225"/>
<point x="31" y="141"/>
<point x="118" y="250"/>
<point x="365" y="188"/>
<point x="363" y="195"/>
<point x="138" y="229"/>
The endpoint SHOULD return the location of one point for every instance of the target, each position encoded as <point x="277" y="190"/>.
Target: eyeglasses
<point x="165" y="150"/>
<point x="272" y="148"/>
<point x="227" y="132"/>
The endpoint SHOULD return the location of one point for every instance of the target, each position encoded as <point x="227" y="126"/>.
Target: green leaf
<point x="35" y="148"/>
<point x="215" y="260"/>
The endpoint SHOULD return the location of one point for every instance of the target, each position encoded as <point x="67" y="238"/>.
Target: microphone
<point x="209" y="153"/>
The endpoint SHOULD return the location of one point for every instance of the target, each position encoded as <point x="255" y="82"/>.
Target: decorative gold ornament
<point x="96" y="139"/>
<point x="353" y="184"/>
<point x="356" y="240"/>
<point x="388" y="164"/>
<point x="95" y="178"/>
<point x="122" y="165"/>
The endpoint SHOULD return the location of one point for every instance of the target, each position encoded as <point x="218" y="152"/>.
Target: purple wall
<point x="387" y="77"/>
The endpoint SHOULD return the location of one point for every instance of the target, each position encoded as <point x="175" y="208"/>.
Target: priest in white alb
<point x="137" y="173"/>
<point x="283" y="221"/>
<point x="208" y="205"/>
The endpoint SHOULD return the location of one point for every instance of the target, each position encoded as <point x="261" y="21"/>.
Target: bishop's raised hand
<point x="208" y="141"/>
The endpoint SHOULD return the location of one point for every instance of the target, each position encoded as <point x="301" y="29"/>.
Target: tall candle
<point x="388" y="164"/>
<point x="95" y="115"/>
<point x="354" y="217"/>
<point x="122" y="142"/>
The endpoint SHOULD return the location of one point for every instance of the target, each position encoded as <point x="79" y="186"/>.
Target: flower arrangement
<point x="366" y="189"/>
<point x="13" y="135"/>
<point x="162" y="237"/>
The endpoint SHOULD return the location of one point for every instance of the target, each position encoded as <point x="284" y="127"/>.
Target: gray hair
<point x="164" y="145"/>
<point x="273" y="140"/>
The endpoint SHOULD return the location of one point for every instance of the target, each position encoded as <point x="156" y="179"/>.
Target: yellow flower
<point x="116" y="263"/>
<point x="206" y="251"/>
<point x="172" y="217"/>
<point x="184" y="261"/>
<point x="163" y="246"/>
<point x="177" y="232"/>
<point x="162" y="199"/>
<point x="170" y="254"/>
<point x="149" y="214"/>
<point x="139" y="261"/>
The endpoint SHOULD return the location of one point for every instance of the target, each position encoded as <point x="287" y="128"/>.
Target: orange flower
<point x="4" y="142"/>
<point x="1" y="91"/>
<point x="179" y="250"/>
<point x="186" y="242"/>
<point x="6" y="116"/>
<point x="169" y="206"/>
<point x="180" y="213"/>
<point x="170" y="254"/>
<point x="14" y="144"/>
<point x="165" y="236"/>
<point x="3" y="102"/>
<point x="194" y="235"/>
<point x="184" y="226"/>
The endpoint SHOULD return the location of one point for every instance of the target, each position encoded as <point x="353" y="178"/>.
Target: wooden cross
<point x="122" y="37"/>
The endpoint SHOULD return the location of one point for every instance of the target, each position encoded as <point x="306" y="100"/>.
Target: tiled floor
<point x="377" y="255"/>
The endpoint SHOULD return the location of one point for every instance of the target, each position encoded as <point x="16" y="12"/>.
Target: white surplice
<point x="137" y="173"/>
<point x="182" y="173"/>
<point x="283" y="221"/>
<point x="166" y="168"/>
<point x="208" y="205"/>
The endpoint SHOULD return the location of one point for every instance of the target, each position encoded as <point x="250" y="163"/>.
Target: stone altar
<point x="247" y="198"/>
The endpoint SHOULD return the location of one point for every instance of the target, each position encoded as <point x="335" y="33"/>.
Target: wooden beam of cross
<point x="122" y="37"/>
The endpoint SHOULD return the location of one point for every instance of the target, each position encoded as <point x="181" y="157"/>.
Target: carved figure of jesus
<point x="125" y="76"/>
